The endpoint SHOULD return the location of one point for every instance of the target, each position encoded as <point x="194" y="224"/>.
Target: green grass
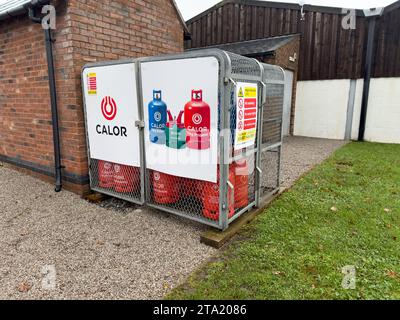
<point x="344" y="212"/>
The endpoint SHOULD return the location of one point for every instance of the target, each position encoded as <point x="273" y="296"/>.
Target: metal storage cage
<point x="244" y="174"/>
<point x="271" y="129"/>
<point x="232" y="69"/>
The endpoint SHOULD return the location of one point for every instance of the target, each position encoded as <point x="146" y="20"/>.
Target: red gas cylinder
<point x="197" y="122"/>
<point x="165" y="188"/>
<point x="210" y="196"/>
<point x="106" y="174"/>
<point x="126" y="178"/>
<point x="241" y="184"/>
<point x="189" y="187"/>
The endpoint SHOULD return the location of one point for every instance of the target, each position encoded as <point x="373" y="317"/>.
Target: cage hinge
<point x="139" y="124"/>
<point x="230" y="185"/>
<point x="259" y="170"/>
<point x="233" y="81"/>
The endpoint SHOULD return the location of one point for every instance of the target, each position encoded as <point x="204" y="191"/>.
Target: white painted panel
<point x="111" y="111"/>
<point x="187" y="74"/>
<point x="383" y="117"/>
<point x="321" y="108"/>
<point x="287" y="102"/>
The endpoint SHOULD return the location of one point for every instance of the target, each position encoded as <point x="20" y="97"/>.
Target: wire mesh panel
<point x="243" y="161"/>
<point x="116" y="180"/>
<point x="244" y="68"/>
<point x="272" y="115"/>
<point x="179" y="195"/>
<point x="270" y="162"/>
<point x="242" y="194"/>
<point x="194" y="123"/>
<point x="271" y="130"/>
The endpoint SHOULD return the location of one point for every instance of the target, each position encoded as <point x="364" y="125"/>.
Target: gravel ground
<point x="112" y="251"/>
<point x="96" y="252"/>
<point x="301" y="154"/>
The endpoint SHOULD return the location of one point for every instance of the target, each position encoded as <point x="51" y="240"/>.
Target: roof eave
<point x="182" y="20"/>
<point x="14" y="12"/>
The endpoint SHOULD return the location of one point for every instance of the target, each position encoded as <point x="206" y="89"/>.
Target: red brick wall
<point x="87" y="31"/>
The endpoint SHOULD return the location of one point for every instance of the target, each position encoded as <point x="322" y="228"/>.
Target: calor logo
<point x="117" y="168"/>
<point x="156" y="176"/>
<point x="108" y="108"/>
<point x="197" y="118"/>
<point x="157" y="116"/>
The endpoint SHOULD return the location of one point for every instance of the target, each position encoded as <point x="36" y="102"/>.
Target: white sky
<point x="190" y="8"/>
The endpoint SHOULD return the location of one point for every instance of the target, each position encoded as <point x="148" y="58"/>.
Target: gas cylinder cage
<point x="263" y="159"/>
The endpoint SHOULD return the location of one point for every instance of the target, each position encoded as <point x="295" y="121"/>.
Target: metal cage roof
<point x="10" y="6"/>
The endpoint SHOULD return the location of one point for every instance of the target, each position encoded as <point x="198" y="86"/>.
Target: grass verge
<point x="346" y="212"/>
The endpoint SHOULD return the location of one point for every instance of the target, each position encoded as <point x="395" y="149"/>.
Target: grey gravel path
<point x="97" y="253"/>
<point x="115" y="252"/>
<point x="301" y="154"/>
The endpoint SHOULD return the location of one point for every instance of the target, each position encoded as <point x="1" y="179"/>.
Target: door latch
<point x="139" y="124"/>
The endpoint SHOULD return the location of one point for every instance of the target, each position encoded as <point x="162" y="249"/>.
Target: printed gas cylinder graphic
<point x="241" y="184"/>
<point x="210" y="196"/>
<point x="157" y="118"/>
<point x="165" y="188"/>
<point x="126" y="178"/>
<point x="175" y="132"/>
<point x="197" y="122"/>
<point x="106" y="174"/>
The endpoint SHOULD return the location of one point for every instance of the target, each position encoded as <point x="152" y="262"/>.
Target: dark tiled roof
<point x="255" y="47"/>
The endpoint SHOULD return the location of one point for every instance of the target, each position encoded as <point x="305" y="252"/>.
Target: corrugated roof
<point x="254" y="47"/>
<point x="10" y="6"/>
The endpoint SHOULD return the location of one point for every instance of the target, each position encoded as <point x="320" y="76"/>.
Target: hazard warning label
<point x="92" y="83"/>
<point x="246" y="115"/>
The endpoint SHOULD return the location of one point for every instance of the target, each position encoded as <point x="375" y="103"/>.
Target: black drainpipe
<point x="53" y="98"/>
<point x="369" y="60"/>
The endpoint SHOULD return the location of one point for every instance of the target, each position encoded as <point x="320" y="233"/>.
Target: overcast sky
<point x="190" y="8"/>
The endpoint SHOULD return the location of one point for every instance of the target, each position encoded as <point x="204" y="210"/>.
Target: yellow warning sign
<point x="250" y="92"/>
<point x="246" y="136"/>
<point x="246" y="115"/>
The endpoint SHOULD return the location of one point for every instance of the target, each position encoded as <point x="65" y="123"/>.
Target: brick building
<point x="86" y="31"/>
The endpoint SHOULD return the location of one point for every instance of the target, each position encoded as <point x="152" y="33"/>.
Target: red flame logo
<point x="108" y="108"/>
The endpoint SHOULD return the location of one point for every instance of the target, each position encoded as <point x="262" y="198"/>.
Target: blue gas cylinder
<point x="157" y="118"/>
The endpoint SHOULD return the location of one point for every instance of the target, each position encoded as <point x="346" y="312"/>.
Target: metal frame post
<point x="262" y="101"/>
<point x="369" y="57"/>
<point x="141" y="126"/>
<point x="278" y="184"/>
<point x="225" y="146"/>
